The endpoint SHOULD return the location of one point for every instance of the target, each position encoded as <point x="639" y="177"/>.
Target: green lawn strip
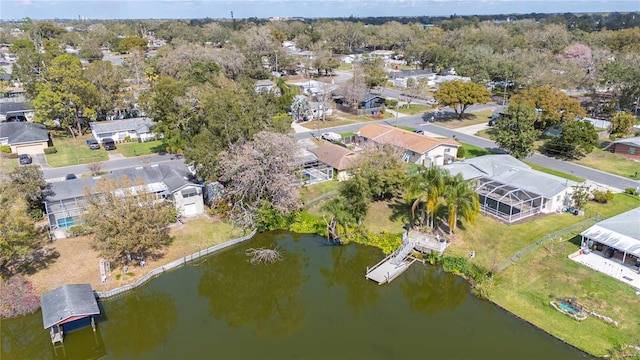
<point x="555" y="172"/>
<point x="494" y="241"/>
<point x="408" y="128"/>
<point x="74" y="151"/>
<point x="524" y="289"/>
<point x="311" y="192"/>
<point x="471" y="118"/>
<point x="414" y="109"/>
<point x="330" y="122"/>
<point x="610" y="163"/>
<point x="143" y="148"/>
<point x="203" y="233"/>
<point x="471" y="151"/>
<point x="7" y="165"/>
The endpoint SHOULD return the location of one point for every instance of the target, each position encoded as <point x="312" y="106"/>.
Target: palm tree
<point x="424" y="188"/>
<point x="462" y="201"/>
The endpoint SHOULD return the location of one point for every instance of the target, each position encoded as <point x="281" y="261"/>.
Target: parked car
<point x="432" y="102"/>
<point x="93" y="144"/>
<point x="331" y="136"/>
<point x="70" y="177"/>
<point x="493" y="121"/>
<point x="418" y="131"/>
<point x="25" y="159"/>
<point x="108" y="144"/>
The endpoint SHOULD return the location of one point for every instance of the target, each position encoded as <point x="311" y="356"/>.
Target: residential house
<point x="13" y="104"/>
<point x="417" y="148"/>
<point x="320" y="109"/>
<point x="124" y="130"/>
<point x="629" y="148"/>
<point x="264" y="86"/>
<point x="616" y="238"/>
<point x="24" y="137"/>
<point x="443" y="79"/>
<point x="341" y="159"/>
<point x="382" y="54"/>
<point x="510" y="189"/>
<point x="372" y="101"/>
<point x="171" y="181"/>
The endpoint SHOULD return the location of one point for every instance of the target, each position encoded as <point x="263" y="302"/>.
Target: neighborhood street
<point x="416" y="121"/>
<point x="114" y="162"/>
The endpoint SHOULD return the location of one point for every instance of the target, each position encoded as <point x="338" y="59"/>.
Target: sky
<point x="217" y="9"/>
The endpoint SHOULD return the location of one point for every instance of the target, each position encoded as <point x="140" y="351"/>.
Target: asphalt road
<point x="52" y="174"/>
<point x="416" y="121"/>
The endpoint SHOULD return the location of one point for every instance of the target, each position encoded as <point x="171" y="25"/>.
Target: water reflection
<point x="139" y="323"/>
<point x="430" y="289"/>
<point x="264" y="298"/>
<point x="22" y="340"/>
<point x="346" y="270"/>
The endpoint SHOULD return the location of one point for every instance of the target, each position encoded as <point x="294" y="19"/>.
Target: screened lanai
<point x="507" y="202"/>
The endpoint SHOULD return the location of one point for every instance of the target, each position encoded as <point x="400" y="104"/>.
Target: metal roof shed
<point x="66" y="304"/>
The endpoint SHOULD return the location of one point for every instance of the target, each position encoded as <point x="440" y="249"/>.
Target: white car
<point x="331" y="136"/>
<point x="432" y="102"/>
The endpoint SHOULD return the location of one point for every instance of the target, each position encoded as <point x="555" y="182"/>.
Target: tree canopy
<point x="460" y="95"/>
<point x="554" y="106"/>
<point x="516" y="131"/>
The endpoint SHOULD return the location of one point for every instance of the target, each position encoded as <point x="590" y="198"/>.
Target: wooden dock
<point x="393" y="265"/>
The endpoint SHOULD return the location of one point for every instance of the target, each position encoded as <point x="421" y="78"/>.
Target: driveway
<point x="39" y="159"/>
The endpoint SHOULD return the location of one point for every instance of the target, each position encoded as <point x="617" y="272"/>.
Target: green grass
<point x="7" y="165"/>
<point x="202" y="233"/>
<point x="311" y="192"/>
<point x="73" y="152"/>
<point x="144" y="148"/>
<point x="414" y="109"/>
<point x="524" y="287"/>
<point x="471" y="151"/>
<point x="408" y="128"/>
<point x="611" y="163"/>
<point x="387" y="216"/>
<point x="555" y="172"/>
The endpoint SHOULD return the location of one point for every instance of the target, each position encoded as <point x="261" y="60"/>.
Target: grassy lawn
<point x="73" y="152"/>
<point x="387" y="215"/>
<point x="494" y="241"/>
<point x="471" y="151"/>
<point x="414" y="109"/>
<point x="7" y="165"/>
<point x="524" y="287"/>
<point x="611" y="163"/>
<point x="555" y="172"/>
<point x="472" y="118"/>
<point x="311" y="192"/>
<point x="330" y="122"/>
<point x="144" y="148"/>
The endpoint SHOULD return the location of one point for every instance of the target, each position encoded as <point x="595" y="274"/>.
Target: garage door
<point x="189" y="209"/>
<point x="30" y="149"/>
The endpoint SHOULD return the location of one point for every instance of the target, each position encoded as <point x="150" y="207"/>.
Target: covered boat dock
<point x="68" y="304"/>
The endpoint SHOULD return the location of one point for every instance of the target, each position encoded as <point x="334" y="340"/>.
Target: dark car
<point x="108" y="144"/>
<point x="70" y="177"/>
<point x="25" y="159"/>
<point x="418" y="131"/>
<point x="493" y="121"/>
<point x="93" y="144"/>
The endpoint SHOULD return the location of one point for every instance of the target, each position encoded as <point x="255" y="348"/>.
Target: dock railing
<point x="112" y="294"/>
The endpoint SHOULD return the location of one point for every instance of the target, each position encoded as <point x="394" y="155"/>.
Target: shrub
<point x="631" y="191"/>
<point x="12" y="156"/>
<point x="50" y="150"/>
<point x="5" y="149"/>
<point x="460" y="266"/>
<point x="17" y="297"/>
<point x="306" y="223"/>
<point x="127" y="138"/>
<point x="461" y="152"/>
<point x="388" y="242"/>
<point x="77" y="230"/>
<point x="391" y="103"/>
<point x="602" y="196"/>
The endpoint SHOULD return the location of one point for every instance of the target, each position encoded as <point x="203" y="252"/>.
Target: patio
<point x="611" y="267"/>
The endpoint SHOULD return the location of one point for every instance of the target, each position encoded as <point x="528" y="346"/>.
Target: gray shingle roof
<point x="66" y="302"/>
<point x="173" y="174"/>
<point x="509" y="170"/>
<point x="23" y="132"/>
<point x="139" y="125"/>
<point x="621" y="232"/>
<point x="634" y="141"/>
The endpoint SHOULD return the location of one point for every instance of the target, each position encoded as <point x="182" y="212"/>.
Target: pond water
<point x="315" y="304"/>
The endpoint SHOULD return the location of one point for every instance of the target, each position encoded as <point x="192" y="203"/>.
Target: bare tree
<point x="94" y="168"/>
<point x="261" y="170"/>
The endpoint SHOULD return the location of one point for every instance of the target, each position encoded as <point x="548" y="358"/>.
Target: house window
<point x="446" y="150"/>
<point x="189" y="193"/>
<point x="632" y="150"/>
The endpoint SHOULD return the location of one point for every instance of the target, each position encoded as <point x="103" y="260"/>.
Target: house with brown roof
<point x="418" y="149"/>
<point x="340" y="158"/>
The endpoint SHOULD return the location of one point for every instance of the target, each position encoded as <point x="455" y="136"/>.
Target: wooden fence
<point x="113" y="294"/>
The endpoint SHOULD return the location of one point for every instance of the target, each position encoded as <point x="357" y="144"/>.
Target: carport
<point x="507" y="202"/>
